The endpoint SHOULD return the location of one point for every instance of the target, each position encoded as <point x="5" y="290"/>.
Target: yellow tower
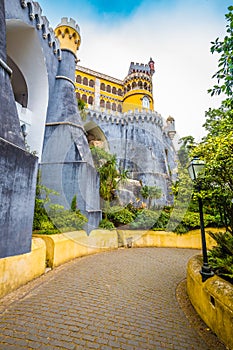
<point x="138" y="87"/>
<point x="68" y="33"/>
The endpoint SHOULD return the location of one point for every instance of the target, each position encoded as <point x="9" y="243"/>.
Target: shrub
<point x="221" y="256"/>
<point x="145" y="219"/>
<point x="120" y="216"/>
<point x="66" y="220"/>
<point x="106" y="224"/>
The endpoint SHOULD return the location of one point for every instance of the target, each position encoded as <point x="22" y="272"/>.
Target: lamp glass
<point x="195" y="167"/>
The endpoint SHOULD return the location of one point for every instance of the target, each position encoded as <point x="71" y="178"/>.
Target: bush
<point x="221" y="256"/>
<point x="66" y="220"/>
<point x="145" y="219"/>
<point x="106" y="224"/>
<point x="120" y="216"/>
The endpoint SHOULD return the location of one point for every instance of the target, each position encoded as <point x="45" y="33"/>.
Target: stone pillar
<point x="18" y="168"/>
<point x="67" y="165"/>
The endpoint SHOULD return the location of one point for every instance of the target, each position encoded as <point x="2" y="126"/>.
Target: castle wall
<point x="142" y="147"/>
<point x="17" y="167"/>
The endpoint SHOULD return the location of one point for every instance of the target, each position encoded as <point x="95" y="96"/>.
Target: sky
<point x="177" y="34"/>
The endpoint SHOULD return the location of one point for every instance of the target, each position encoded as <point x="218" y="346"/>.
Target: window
<point x="85" y="81"/>
<point x="78" y="95"/>
<point x="84" y="98"/>
<point x="78" y="79"/>
<point x="91" y="83"/>
<point x="90" y="100"/>
<point x="114" y="106"/>
<point x="108" y="88"/>
<point x="119" y="92"/>
<point x="119" y="109"/>
<point x="108" y="105"/>
<point x="102" y="103"/>
<point x="114" y="90"/>
<point x="102" y="86"/>
<point x="145" y="102"/>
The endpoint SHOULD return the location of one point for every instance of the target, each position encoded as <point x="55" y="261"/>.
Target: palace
<point x="42" y="85"/>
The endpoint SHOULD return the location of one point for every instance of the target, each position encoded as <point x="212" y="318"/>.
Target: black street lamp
<point x="195" y="167"/>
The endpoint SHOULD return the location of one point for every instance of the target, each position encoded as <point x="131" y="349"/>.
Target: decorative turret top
<point x="68" y="33"/>
<point x="142" y="68"/>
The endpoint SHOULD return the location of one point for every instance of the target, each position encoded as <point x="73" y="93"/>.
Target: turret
<point x="138" y="87"/>
<point x="68" y="33"/>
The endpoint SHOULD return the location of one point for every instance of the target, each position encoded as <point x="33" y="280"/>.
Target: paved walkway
<point x="124" y="299"/>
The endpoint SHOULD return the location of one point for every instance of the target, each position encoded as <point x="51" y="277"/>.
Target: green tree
<point x="151" y="192"/>
<point x="82" y="109"/>
<point x="224" y="75"/>
<point x="216" y="150"/>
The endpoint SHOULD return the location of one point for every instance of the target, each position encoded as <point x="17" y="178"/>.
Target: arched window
<point x="102" y="86"/>
<point x="85" y="81"/>
<point x="134" y="85"/>
<point x="114" y="106"/>
<point x="91" y="83"/>
<point x="128" y="87"/>
<point x="108" y="105"/>
<point x="145" y="86"/>
<point x="90" y="100"/>
<point x="140" y="84"/>
<point x="119" y="92"/>
<point x="102" y="103"/>
<point x="114" y="90"/>
<point x="84" y="98"/>
<point x="119" y="109"/>
<point x="78" y="95"/>
<point x="78" y="79"/>
<point x="145" y="102"/>
<point x="108" y="88"/>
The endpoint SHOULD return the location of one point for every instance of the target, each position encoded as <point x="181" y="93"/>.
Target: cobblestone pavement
<point x="124" y="299"/>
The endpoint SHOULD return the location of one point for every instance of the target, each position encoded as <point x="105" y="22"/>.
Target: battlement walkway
<point x="123" y="299"/>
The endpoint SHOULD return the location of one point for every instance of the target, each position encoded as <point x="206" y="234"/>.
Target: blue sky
<point x="175" y="33"/>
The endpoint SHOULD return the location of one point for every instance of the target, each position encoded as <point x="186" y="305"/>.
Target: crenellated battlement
<point x="139" y="68"/>
<point x="69" y="23"/>
<point x="42" y="24"/>
<point x="117" y="118"/>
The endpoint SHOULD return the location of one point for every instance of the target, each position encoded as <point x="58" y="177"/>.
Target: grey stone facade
<point x="18" y="168"/>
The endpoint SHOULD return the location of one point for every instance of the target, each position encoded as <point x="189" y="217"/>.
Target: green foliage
<point x="54" y="218"/>
<point x="150" y="192"/>
<point x="73" y="205"/>
<point x="145" y="219"/>
<point x="82" y="109"/>
<point x="221" y="256"/>
<point x="216" y="150"/>
<point x="66" y="220"/>
<point x="120" y="216"/>
<point x="224" y="75"/>
<point x="106" y="224"/>
<point x="100" y="156"/>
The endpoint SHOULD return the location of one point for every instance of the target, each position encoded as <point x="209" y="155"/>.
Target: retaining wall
<point x="16" y="271"/>
<point x="213" y="301"/>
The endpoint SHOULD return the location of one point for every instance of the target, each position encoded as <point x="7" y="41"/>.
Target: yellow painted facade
<point x="100" y="91"/>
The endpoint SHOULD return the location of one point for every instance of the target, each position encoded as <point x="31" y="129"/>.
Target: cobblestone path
<point x="123" y="299"/>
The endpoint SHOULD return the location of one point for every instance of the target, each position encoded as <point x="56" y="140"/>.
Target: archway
<point x="30" y="79"/>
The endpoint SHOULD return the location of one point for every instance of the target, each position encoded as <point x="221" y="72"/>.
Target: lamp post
<point x="195" y="167"/>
